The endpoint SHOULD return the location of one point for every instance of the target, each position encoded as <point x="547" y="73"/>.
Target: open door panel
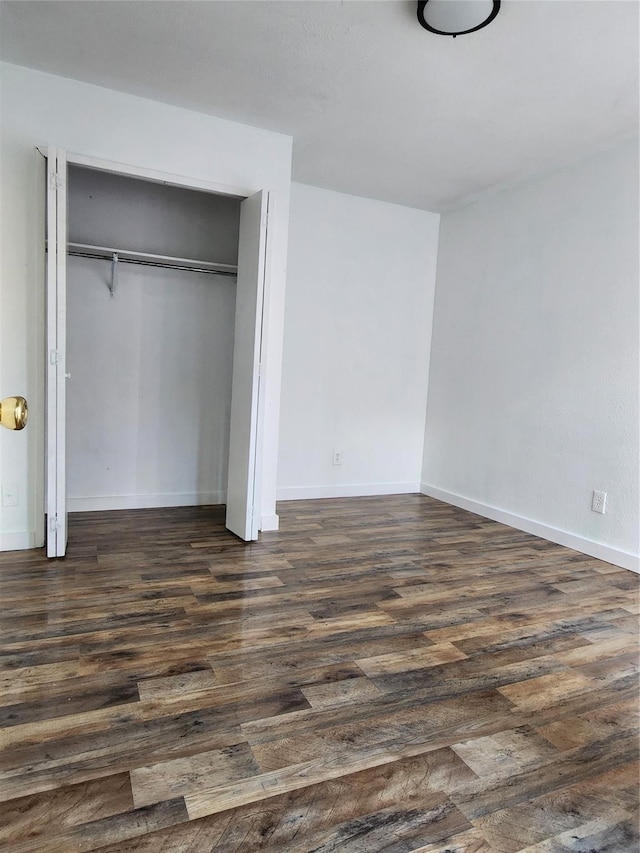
<point x="243" y="484"/>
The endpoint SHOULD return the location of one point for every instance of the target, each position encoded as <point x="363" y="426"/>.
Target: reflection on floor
<point x="384" y="674"/>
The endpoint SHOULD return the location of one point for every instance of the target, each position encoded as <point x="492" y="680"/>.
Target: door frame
<point x="186" y="182"/>
<point x="55" y="336"/>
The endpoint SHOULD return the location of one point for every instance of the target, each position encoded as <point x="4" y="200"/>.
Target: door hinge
<point x="54" y="524"/>
<point x="55" y="356"/>
<point x="56" y="181"/>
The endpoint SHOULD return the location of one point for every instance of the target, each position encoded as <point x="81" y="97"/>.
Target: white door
<point x="243" y="486"/>
<point x="56" y="350"/>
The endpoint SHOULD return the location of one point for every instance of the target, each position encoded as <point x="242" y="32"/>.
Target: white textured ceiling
<point x="376" y="105"/>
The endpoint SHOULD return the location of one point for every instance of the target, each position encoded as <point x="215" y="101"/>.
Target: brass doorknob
<point x="14" y="412"/>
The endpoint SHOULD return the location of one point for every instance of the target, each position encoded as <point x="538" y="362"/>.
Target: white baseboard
<point x="22" y="540"/>
<point x="108" y="502"/>
<point x="270" y="522"/>
<point x="350" y="490"/>
<point x="561" y="537"/>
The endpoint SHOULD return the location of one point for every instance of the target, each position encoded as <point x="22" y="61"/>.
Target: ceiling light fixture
<point x="456" y="17"/>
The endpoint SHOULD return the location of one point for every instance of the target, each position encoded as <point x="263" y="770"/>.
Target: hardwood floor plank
<point x="136" y="743"/>
<point x="304" y="817"/>
<point x="321" y="651"/>
<point x="413" y="659"/>
<point x="68" y="806"/>
<point x="101" y="696"/>
<point x="478" y="799"/>
<point x="393" y="830"/>
<point x="443" y="763"/>
<point x="180" y="776"/>
<point x="380" y="719"/>
<point x="545" y="690"/>
<point x="581" y="729"/>
<point x="94" y="834"/>
<point x="604" y="835"/>
<point x="339" y="693"/>
<point x="556" y="814"/>
<point x="505" y="752"/>
<point x="465" y="676"/>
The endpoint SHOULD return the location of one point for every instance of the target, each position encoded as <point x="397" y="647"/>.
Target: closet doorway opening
<point x="155" y="306"/>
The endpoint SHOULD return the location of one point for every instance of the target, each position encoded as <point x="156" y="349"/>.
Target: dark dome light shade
<point x="456" y="17"/>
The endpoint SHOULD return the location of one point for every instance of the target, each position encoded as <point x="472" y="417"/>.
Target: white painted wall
<point x="148" y="401"/>
<point x="533" y="394"/>
<point x="40" y="109"/>
<point x="361" y="278"/>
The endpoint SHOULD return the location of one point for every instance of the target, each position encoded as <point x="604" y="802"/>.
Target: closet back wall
<point x="149" y="396"/>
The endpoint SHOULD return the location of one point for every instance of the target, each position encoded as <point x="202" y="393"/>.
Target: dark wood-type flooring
<point x="384" y="674"/>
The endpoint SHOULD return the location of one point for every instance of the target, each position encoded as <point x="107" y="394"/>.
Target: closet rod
<point x="125" y="256"/>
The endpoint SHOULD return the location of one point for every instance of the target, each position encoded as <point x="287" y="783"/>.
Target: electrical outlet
<point x="337" y="457"/>
<point x="10" y="495"/>
<point x="598" y="501"/>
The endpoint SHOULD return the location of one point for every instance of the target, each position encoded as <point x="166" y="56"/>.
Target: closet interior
<point x="150" y="332"/>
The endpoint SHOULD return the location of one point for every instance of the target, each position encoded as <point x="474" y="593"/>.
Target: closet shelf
<point x="125" y="256"/>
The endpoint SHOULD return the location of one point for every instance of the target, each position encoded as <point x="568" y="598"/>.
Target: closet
<point x="150" y="312"/>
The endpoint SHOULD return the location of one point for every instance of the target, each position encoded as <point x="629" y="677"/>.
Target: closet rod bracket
<point x="114" y="273"/>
